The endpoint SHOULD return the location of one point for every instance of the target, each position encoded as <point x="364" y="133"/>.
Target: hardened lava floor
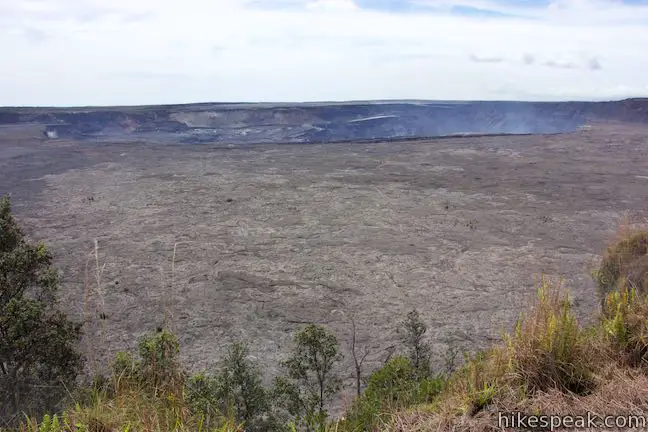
<point x="270" y="237"/>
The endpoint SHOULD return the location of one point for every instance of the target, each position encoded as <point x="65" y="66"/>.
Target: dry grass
<point x="623" y="393"/>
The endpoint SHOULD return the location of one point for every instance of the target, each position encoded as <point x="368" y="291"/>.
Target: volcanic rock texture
<point x="268" y="237"/>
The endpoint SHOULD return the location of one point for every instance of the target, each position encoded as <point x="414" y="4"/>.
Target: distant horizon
<point x="326" y="102"/>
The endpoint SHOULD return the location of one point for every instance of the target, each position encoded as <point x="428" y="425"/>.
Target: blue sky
<point x="459" y="8"/>
<point x="93" y="52"/>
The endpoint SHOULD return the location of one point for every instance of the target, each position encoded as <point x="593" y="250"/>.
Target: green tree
<point x="311" y="379"/>
<point x="39" y="359"/>
<point x="236" y="390"/>
<point x="241" y="388"/>
<point x="413" y="338"/>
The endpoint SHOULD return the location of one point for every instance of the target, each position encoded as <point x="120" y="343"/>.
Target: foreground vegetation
<point x="547" y="364"/>
<point x="38" y="355"/>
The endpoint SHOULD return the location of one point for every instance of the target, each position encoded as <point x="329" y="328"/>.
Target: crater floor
<point x="270" y="237"/>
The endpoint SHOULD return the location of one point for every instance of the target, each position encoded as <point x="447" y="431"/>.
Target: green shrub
<point x="397" y="385"/>
<point x="159" y="367"/>
<point x="202" y="396"/>
<point x="157" y="370"/>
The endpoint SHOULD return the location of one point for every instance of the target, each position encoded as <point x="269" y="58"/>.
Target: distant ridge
<point x="320" y="122"/>
<point x="311" y="103"/>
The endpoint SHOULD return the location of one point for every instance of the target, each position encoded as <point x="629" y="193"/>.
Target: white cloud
<point x="79" y="52"/>
<point x="332" y="5"/>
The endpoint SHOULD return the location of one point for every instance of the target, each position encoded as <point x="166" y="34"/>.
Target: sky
<point x="131" y="52"/>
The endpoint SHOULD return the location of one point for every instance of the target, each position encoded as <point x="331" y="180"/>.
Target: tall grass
<point x="625" y="325"/>
<point x="94" y="306"/>
<point x="547" y="349"/>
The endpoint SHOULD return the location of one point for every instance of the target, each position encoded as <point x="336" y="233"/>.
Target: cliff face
<point x="321" y="122"/>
